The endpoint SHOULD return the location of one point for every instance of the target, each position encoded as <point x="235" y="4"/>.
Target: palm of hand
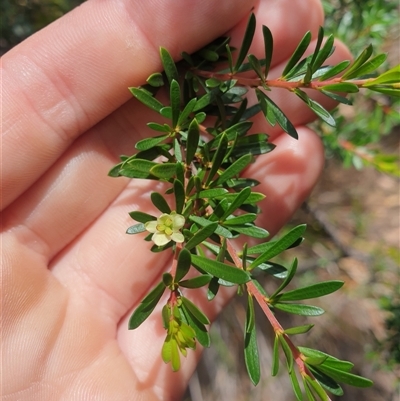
<point x="71" y="276"/>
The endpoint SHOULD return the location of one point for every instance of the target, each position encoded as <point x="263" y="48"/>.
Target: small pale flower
<point x="166" y="228"/>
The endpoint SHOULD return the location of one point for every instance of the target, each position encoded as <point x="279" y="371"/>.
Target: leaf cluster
<point x="202" y="145"/>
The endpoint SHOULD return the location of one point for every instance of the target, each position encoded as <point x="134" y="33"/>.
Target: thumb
<point x="76" y="71"/>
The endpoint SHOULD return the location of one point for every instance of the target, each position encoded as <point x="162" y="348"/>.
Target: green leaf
<point x="210" y="193"/>
<point x="395" y="92"/>
<point x="300" y="309"/>
<point x="299" y="329"/>
<point x="316" y="107"/>
<point x="266" y="103"/>
<point x="159" y="127"/>
<point x="334" y="70"/>
<point x="188" y="109"/>
<point x="205" y="222"/>
<point x="345" y="377"/>
<point x="268" y="48"/>
<point x="256" y="66"/>
<point x="256" y="144"/>
<point x="201" y="235"/>
<point x="295" y="385"/>
<point x="239" y="220"/>
<point x="148" y="143"/>
<point x="196" y="282"/>
<point x="202" y="334"/>
<point x="137" y="168"/>
<point x="237" y="201"/>
<point x="137" y="228"/>
<point x="346" y="87"/>
<point x="195" y="311"/>
<point x="275" y="357"/>
<point x="291" y="272"/>
<point x="288" y="353"/>
<point x="165" y="171"/>
<point x="147" y="306"/>
<point x="192" y="141"/>
<point x="389" y="77"/>
<point x="218" y="158"/>
<point x="250" y="317"/>
<point x="252" y="231"/>
<point x="155" y="80"/>
<point x="324" y="53"/>
<point x="329" y="360"/>
<point x="358" y="62"/>
<point x="175" y="99"/>
<point x="146" y="98"/>
<point x="312" y="291"/>
<point x="280" y="245"/>
<point x="337" y="97"/>
<point x="268" y="245"/>
<point x="142" y="217"/>
<point x="167" y="279"/>
<point x="183" y="264"/>
<point x="298" y="53"/>
<point x="327" y="382"/>
<point x="238" y="130"/>
<point x="179" y="192"/>
<point x="247" y="39"/>
<point x="370" y="66"/>
<point x="213" y="288"/>
<point x="251" y="357"/>
<point x="169" y="65"/>
<point x="221" y="270"/>
<point x="234" y="169"/>
<point x="160" y="203"/>
<point x="317" y="388"/>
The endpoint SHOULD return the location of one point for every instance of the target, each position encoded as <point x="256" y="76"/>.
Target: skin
<point x="71" y="276"/>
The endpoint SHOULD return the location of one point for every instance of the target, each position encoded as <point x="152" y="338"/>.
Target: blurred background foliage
<point x="353" y="219"/>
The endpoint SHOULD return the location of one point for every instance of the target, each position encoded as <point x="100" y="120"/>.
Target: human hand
<point x="71" y="276"/>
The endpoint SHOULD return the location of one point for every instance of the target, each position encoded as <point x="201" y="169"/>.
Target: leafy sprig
<point x="202" y="161"/>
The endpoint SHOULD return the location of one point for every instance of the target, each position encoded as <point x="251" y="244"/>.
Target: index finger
<point x="72" y="74"/>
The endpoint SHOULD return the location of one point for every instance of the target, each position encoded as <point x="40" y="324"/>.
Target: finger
<point x="70" y="75"/>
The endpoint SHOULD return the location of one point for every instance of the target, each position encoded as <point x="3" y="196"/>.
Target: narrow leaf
<point x="148" y="143"/>
<point x="160" y="203"/>
<point x="169" y="65"/>
<point x="221" y="270"/>
<point x="137" y="228"/>
<point x="175" y="99"/>
<point x="218" y="158"/>
<point x="147" y="306"/>
<point x="295" y="385"/>
<point x="201" y="235"/>
<point x="268" y="48"/>
<point x="312" y="291"/>
<point x="239" y="220"/>
<point x="299" y="329"/>
<point x="334" y="70"/>
<point x="251" y="356"/>
<point x="179" y="193"/>
<point x="388" y="77"/>
<point x="195" y="311"/>
<point x="341" y="87"/>
<point x="358" y="62"/>
<point x="234" y="169"/>
<point x="298" y="53"/>
<point x="247" y="39"/>
<point x="368" y="67"/>
<point x="196" y="282"/>
<point x="155" y="80"/>
<point x="300" y="309"/>
<point x="183" y="264"/>
<point x="146" y="98"/>
<point x="275" y="357"/>
<point x="192" y="141"/>
<point x="165" y="171"/>
<point x="280" y="245"/>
